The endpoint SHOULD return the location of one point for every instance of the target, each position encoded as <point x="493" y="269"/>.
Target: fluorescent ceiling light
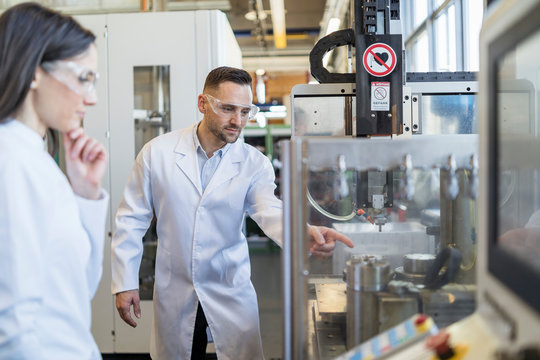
<point x="275" y="115"/>
<point x="278" y="22"/>
<point x="278" y="108"/>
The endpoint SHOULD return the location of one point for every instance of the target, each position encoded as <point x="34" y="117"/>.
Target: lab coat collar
<point x="187" y="157"/>
<point x="26" y="133"/>
<point x="187" y="161"/>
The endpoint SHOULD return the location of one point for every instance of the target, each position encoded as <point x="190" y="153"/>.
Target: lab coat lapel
<point x="228" y="167"/>
<point x="186" y="158"/>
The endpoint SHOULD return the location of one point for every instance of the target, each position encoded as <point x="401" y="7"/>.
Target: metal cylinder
<point x="417" y="264"/>
<point x="368" y="273"/>
<point x="364" y="278"/>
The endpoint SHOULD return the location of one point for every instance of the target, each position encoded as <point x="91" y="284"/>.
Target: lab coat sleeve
<point x="22" y="225"/>
<point x="132" y="221"/>
<point x="93" y="214"/>
<point x="263" y="206"/>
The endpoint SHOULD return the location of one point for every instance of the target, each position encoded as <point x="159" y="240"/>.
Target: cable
<point x="326" y="213"/>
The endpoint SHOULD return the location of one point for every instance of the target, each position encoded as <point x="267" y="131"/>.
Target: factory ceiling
<point x="303" y="20"/>
<point x="252" y="22"/>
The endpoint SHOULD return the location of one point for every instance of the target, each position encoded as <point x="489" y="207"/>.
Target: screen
<point x="514" y="253"/>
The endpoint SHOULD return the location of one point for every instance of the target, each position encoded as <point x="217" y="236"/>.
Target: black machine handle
<point x="324" y="45"/>
<point x="449" y="256"/>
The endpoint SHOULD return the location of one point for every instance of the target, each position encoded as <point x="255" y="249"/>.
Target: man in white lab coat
<point x="200" y="182"/>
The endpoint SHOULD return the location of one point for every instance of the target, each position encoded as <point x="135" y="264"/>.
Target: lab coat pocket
<point x="237" y="266"/>
<point x="163" y="267"/>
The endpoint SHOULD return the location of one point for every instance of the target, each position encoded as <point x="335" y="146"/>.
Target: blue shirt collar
<point x="198" y="147"/>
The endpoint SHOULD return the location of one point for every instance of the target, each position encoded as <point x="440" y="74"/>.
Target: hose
<point x="326" y="213"/>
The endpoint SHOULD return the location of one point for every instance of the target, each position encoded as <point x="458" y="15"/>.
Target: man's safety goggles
<point x="226" y="109"/>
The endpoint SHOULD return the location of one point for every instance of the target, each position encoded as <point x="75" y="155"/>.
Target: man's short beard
<point x="221" y="135"/>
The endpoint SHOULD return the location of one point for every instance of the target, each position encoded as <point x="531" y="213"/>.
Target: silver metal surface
<point x="364" y="279"/>
<point x="323" y="109"/>
<point x="443" y="87"/>
<point x="427" y="151"/>
<point x="360" y="321"/>
<point x="407" y="112"/>
<point x="295" y="253"/>
<point x="331" y="298"/>
<point x="392" y="310"/>
<point x="301" y="90"/>
<point x="457" y="229"/>
<point x="288" y="321"/>
<point x="449" y="304"/>
<point x="378" y="201"/>
<point x="393" y="242"/>
<point x="417" y="263"/>
<point x="371" y="275"/>
<point x="404" y="276"/>
<point x="326" y="337"/>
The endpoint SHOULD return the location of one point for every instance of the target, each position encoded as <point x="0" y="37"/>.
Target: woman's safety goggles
<point x="226" y="109"/>
<point x="78" y="79"/>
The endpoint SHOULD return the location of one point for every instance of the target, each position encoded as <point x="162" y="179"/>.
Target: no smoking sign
<point x="379" y="59"/>
<point x="380" y="96"/>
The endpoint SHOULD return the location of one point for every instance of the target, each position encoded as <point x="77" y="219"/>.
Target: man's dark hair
<point x="226" y="73"/>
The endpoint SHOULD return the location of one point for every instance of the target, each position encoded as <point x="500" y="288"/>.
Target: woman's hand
<point x="86" y="160"/>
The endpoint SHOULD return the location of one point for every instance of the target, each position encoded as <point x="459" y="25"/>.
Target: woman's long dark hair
<point x="31" y="34"/>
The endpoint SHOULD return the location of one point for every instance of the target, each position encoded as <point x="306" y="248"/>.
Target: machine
<point x="395" y="270"/>
<point x="445" y="222"/>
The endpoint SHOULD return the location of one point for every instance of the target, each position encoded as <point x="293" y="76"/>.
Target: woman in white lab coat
<point x="51" y="227"/>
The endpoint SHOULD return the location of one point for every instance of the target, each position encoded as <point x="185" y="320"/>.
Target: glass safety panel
<point x="448" y="114"/>
<point x="518" y="143"/>
<point x="151" y="118"/>
<point x="409" y="208"/>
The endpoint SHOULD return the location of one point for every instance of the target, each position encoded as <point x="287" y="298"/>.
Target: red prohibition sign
<point x="372" y="50"/>
<point x="380" y="93"/>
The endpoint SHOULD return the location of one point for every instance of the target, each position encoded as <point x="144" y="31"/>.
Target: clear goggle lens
<point x="227" y="109"/>
<point x="78" y="79"/>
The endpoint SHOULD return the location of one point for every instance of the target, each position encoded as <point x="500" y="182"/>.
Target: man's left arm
<point x="267" y="211"/>
<point x="263" y="206"/>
